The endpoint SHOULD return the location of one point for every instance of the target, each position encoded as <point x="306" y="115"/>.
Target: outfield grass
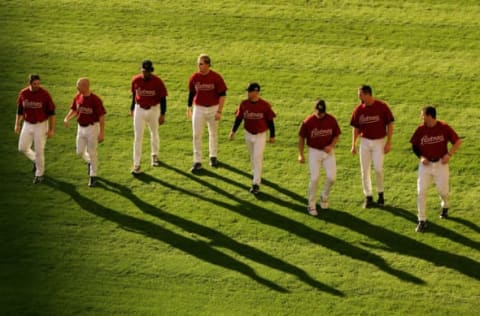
<point x="172" y="243"/>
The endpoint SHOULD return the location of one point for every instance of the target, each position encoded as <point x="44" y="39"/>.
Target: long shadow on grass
<point x="196" y="248"/>
<point x="273" y="219"/>
<point x="217" y="238"/>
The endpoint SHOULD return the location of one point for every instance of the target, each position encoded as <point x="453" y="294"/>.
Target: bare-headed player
<point x="88" y="108"/>
<point x="258" y="117"/>
<point x="36" y="108"/>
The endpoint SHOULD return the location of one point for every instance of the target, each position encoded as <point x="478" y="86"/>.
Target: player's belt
<point x="146" y="107"/>
<point x="434" y="160"/>
<point x="85" y="125"/>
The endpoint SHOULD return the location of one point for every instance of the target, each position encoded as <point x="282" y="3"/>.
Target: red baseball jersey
<point x="319" y="132"/>
<point x="256" y="115"/>
<point x="372" y="120"/>
<point x="207" y="88"/>
<point x="35" y="106"/>
<point x="148" y="92"/>
<point x="89" y="108"/>
<point x="433" y="141"/>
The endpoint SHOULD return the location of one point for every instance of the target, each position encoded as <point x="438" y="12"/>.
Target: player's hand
<point x="231" y="136"/>
<point x="271" y="140"/>
<point x="445" y="159"/>
<point x="301" y="158"/>
<point x="328" y="149"/>
<point x="161" y="119"/>
<point x="50" y="133"/>
<point x="65" y="122"/>
<point x="387" y="148"/>
<point x="424" y="161"/>
<point x="189" y="113"/>
<point x="218" y="116"/>
<point x="354" y="150"/>
<point x="101" y="137"/>
<point x="131" y="114"/>
<point x="17" y="129"/>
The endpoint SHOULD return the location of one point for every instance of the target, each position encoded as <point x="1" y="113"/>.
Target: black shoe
<point x="88" y="168"/>
<point x="34" y="168"/>
<point x="92" y="182"/>
<point x="421" y="226"/>
<point x="214" y="162"/>
<point x="255" y="189"/>
<point x="380" y="200"/>
<point x="196" y="167"/>
<point x="368" y="202"/>
<point x="38" y="180"/>
<point x="155" y="161"/>
<point x="444" y="213"/>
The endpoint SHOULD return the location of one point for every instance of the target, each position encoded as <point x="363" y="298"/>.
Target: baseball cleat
<point x="255" y="189"/>
<point x="421" y="226"/>
<point x="155" y="161"/>
<point x="312" y="211"/>
<point x="323" y="203"/>
<point x="214" y="162"/>
<point x="136" y="170"/>
<point x="38" y="180"/>
<point x="368" y="202"/>
<point x="92" y="182"/>
<point x="444" y="214"/>
<point x="381" y="200"/>
<point x="196" y="167"/>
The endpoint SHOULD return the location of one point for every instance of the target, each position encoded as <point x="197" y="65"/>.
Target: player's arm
<point x="355" y="133"/>
<point x="452" y="150"/>
<point x="332" y="145"/>
<point x="388" y="144"/>
<point x="163" y="110"/>
<point x="236" y="125"/>
<point x="51" y="125"/>
<point x="301" y="149"/>
<point x="191" y="96"/>
<point x="271" y="127"/>
<point x="18" y="118"/>
<point x="101" y="135"/>
<point x="132" y="105"/>
<point x="69" y="116"/>
<point x="221" y="103"/>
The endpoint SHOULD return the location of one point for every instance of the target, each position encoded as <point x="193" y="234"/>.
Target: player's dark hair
<point x="366" y="89"/>
<point x="33" y="77"/>
<point x="205" y="58"/>
<point x="430" y="111"/>
<point x="321" y="106"/>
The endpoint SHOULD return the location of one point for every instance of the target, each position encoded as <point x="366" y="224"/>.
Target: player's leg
<point x="82" y="143"/>
<point x="441" y="175"/>
<point x="314" y="164"/>
<point x="257" y="157"/>
<point x="423" y="182"/>
<point x="249" y="142"/>
<point x="39" y="140"/>
<point x="25" y="141"/>
<point x="365" y="163"/>
<point x="330" y="166"/>
<point x="139" y="128"/>
<point x="378" y="158"/>
<point x="152" y="120"/>
<point x="212" y="131"/>
<point x="198" y="125"/>
<point x="92" y="144"/>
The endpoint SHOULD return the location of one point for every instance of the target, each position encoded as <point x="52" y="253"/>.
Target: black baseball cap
<point x="253" y="86"/>
<point x="147" y="65"/>
<point x="320" y="106"/>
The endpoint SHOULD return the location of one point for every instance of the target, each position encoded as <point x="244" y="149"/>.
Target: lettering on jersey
<point x="27" y="104"/>
<point x="252" y="115"/>
<point x="428" y="140"/>
<point x="366" y="119"/>
<point x="84" y="110"/>
<point x="204" y="86"/>
<point x="145" y="93"/>
<point x="315" y="133"/>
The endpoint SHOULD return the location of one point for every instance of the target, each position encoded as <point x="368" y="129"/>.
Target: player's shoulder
<point x="331" y="117"/>
<point x="136" y="77"/>
<point x="309" y="118"/>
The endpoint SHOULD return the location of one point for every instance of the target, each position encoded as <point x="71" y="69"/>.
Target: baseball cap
<point x="147" y="65"/>
<point x="320" y="106"/>
<point x="253" y="86"/>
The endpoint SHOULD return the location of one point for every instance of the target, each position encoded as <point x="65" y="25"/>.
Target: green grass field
<point x="173" y="243"/>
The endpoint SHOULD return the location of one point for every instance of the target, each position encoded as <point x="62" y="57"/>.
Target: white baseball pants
<point x="256" y="147"/>
<point x="440" y="174"/>
<point x="372" y="150"/>
<point x="87" y="141"/>
<point x="316" y="160"/>
<point x="36" y="134"/>
<point x="204" y="115"/>
<point x="140" y="118"/>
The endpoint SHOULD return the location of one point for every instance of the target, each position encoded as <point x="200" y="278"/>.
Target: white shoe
<point x="323" y="203"/>
<point x="312" y="211"/>
<point x="136" y="170"/>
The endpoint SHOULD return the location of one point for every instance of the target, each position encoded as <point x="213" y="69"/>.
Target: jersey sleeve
<point x="49" y="106"/>
<point x="269" y="114"/>
<point x="20" y="104"/>
<point x="220" y="86"/>
<point x="388" y="115"/>
<point x="191" y="84"/>
<point x="100" y="108"/>
<point x="303" y="130"/>
<point x="240" y="111"/>
<point x="415" y="140"/>
<point x="162" y="89"/>
<point x="132" y="86"/>
<point x="354" y="118"/>
<point x="73" y="106"/>
<point x="336" y="128"/>
<point x="452" y="136"/>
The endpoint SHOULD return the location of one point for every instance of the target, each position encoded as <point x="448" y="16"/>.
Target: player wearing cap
<point x="88" y="108"/>
<point x="372" y="121"/>
<point x="258" y="116"/>
<point x="321" y="132"/>
<point x="36" y="108"/>
<point x="148" y="91"/>
<point x="430" y="144"/>
<point x="207" y="92"/>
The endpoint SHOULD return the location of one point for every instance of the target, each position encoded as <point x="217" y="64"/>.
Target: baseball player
<point x="321" y="131"/>
<point x="88" y="108"/>
<point x="148" y="92"/>
<point x="207" y="92"/>
<point x="430" y="144"/>
<point x="36" y="108"/>
<point x="257" y="115"/>
<point x="372" y="121"/>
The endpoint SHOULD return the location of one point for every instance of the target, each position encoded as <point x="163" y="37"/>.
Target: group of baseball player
<point x="372" y="122"/>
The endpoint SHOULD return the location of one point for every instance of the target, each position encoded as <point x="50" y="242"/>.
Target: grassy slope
<point x="171" y="243"/>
